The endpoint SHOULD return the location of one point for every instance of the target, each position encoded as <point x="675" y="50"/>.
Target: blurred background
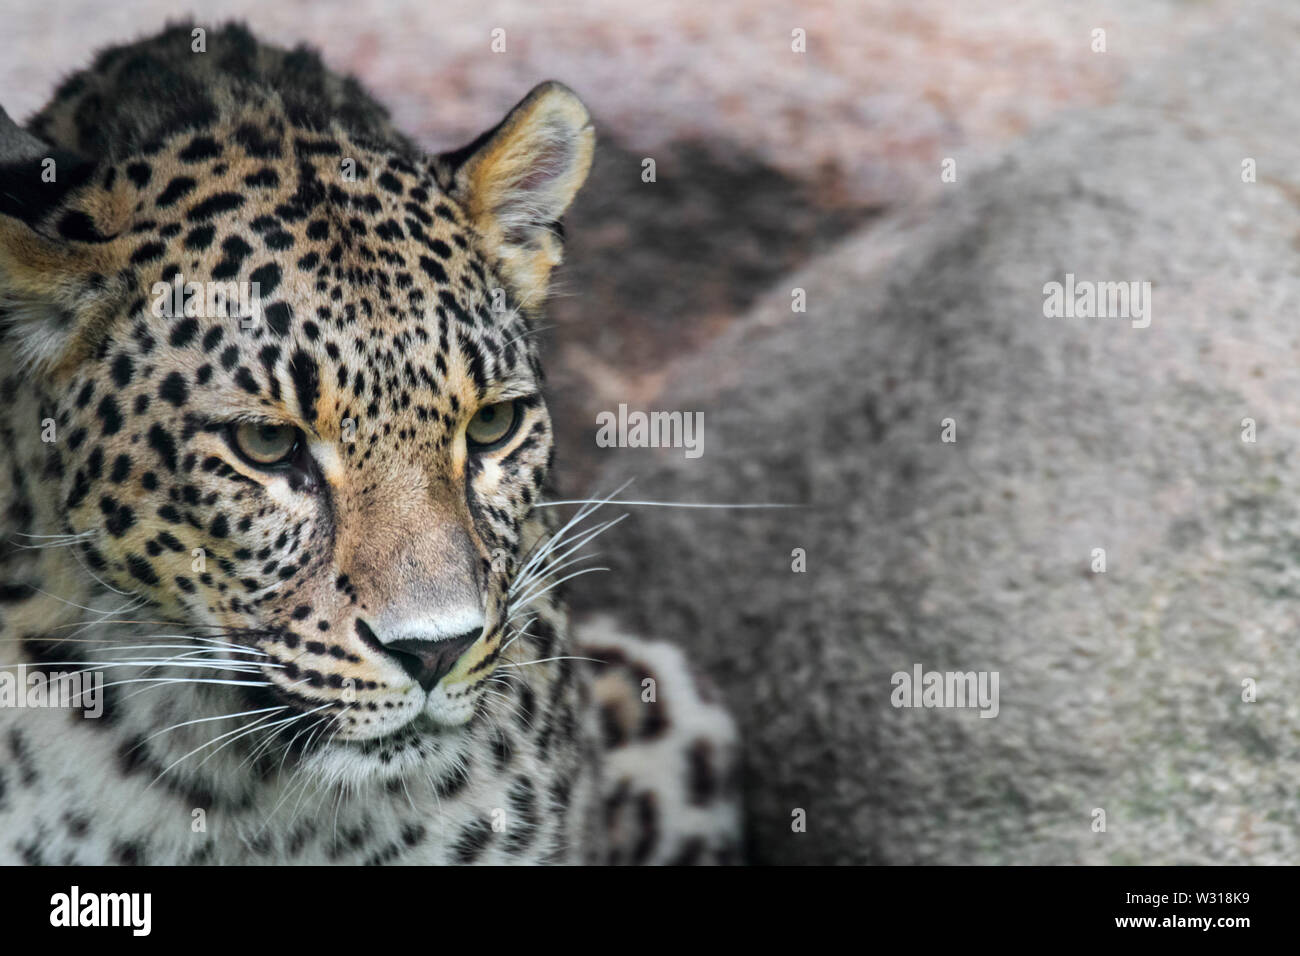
<point x="1160" y="691"/>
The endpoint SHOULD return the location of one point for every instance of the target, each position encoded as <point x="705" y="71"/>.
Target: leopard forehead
<point x="352" y="299"/>
<point x="276" y="251"/>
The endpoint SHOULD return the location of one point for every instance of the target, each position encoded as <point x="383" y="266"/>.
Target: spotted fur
<point x="257" y="625"/>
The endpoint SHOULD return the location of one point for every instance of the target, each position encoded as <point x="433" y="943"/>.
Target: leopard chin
<point x="422" y="751"/>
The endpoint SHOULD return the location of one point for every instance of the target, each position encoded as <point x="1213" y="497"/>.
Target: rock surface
<point x="1120" y="691"/>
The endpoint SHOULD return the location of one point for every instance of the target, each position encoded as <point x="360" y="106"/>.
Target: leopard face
<point x="295" y="396"/>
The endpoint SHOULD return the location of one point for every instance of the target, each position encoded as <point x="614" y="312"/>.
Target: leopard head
<point x="293" y="391"/>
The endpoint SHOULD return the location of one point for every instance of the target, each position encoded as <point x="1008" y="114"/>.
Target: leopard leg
<point x="671" y="758"/>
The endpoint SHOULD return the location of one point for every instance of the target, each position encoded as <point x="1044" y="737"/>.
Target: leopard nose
<point x="430" y="661"/>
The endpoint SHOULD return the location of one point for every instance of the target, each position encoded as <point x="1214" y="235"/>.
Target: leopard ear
<point x="53" y="257"/>
<point x="517" y="179"/>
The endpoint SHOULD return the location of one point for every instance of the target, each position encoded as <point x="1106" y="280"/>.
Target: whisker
<point x="547" y="569"/>
<point x="545" y="660"/>
<point x="520" y="632"/>
<point x="167" y="662"/>
<point x="666" y="504"/>
<point x="80" y="607"/>
<point x="190" y="680"/>
<point x="89" y="532"/>
<point x="570" y="546"/>
<point x="554" y="585"/>
<point x="228" y="733"/>
<point x="552" y="541"/>
<point x="204" y="720"/>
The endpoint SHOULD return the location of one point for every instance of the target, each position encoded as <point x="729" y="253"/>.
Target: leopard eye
<point x="264" y="445"/>
<point x="492" y="425"/>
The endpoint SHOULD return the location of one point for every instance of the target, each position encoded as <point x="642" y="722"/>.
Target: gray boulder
<point x="1120" y="691"/>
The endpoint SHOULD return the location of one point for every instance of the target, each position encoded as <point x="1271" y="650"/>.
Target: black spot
<point x="139" y="173"/>
<point x="317" y="147"/>
<point x="199" y="149"/>
<point x="214" y="205"/>
<point x="80" y="488"/>
<point x="171" y="541"/>
<point x="472" y="842"/>
<point x="141" y="569"/>
<point x="454" y="782"/>
<point x="22" y="755"/>
<point x="123" y="370"/>
<point x="278" y="241"/>
<point x="265" y="178"/>
<point x="306" y="379"/>
<point x="149" y="252"/>
<point x="128" y="853"/>
<point x="503" y="750"/>
<point x="244" y="379"/>
<point x="80" y="227"/>
<point x="110" y="415"/>
<point x="236" y="250"/>
<point x="173" y="389"/>
<point x="184" y="332"/>
<point x="523" y="801"/>
<point x="118" y="519"/>
<point x="267" y="278"/>
<point x="474" y="362"/>
<point x="176" y="190"/>
<point x="448" y="302"/>
<point x="199" y="238"/>
<point x="250" y="137"/>
<point x="121" y="469"/>
<point x="278" y="317"/>
<point x="433" y="269"/>
<point x="161" y="441"/>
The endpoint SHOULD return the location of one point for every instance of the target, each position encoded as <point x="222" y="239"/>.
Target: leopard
<point x="283" y="567"/>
